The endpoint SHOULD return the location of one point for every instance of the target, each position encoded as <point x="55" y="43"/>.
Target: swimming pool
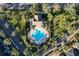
<point x="38" y="35"/>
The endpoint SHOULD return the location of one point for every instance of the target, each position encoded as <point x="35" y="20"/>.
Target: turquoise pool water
<point x="38" y="35"/>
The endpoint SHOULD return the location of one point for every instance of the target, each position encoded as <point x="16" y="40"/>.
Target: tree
<point x="70" y="11"/>
<point x="50" y="17"/>
<point x="14" y="52"/>
<point x="7" y="41"/>
<point x="45" y="8"/>
<point x="56" y="8"/>
<point x="38" y="7"/>
<point x="26" y="52"/>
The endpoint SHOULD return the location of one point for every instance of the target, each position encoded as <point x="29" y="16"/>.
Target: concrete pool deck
<point x="38" y="34"/>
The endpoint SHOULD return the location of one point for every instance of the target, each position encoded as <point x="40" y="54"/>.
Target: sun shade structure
<point x="38" y="34"/>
